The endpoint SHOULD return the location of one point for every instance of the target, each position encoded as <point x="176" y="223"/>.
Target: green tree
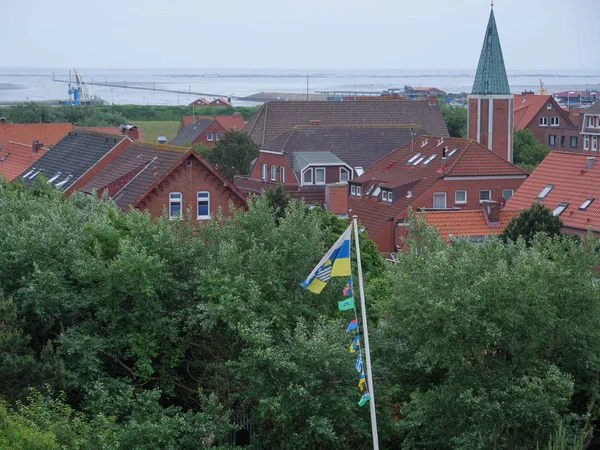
<point x="233" y="154"/>
<point x="279" y="199"/>
<point x="528" y="153"/>
<point x="456" y="119"/>
<point x="537" y="219"/>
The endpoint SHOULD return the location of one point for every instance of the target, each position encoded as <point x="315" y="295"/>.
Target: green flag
<point x="347" y="304"/>
<point x="364" y="399"/>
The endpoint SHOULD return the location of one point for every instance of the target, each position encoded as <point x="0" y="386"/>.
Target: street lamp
<point x="569" y="100"/>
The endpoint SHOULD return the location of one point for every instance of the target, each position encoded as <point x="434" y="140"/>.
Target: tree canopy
<point x="537" y="219"/>
<point x="528" y="153"/>
<point x="456" y="119"/>
<point x="233" y="154"/>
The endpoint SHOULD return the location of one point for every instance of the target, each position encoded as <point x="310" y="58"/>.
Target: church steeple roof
<point x="491" y="74"/>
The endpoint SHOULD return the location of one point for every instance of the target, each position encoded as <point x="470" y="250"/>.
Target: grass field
<point x="152" y="130"/>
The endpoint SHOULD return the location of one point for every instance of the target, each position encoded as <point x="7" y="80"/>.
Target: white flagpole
<point x="366" y="337"/>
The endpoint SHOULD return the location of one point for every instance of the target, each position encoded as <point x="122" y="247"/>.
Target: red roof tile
<point x="527" y="106"/>
<point x="15" y="158"/>
<point x="233" y="122"/>
<point x="46" y="133"/>
<point x="467" y="223"/>
<point x="573" y="184"/>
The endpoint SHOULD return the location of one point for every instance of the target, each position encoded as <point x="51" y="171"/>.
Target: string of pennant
<point x="346" y="305"/>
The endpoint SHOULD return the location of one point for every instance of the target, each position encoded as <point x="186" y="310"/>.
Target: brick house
<point x="436" y="173"/>
<point x="307" y="158"/>
<point x="548" y="122"/>
<point x="275" y="118"/>
<point x="48" y="133"/>
<point x="158" y="178"/>
<point x="220" y="102"/>
<point x="206" y="130"/>
<point x="568" y="184"/>
<point x="590" y="128"/>
<point x="200" y="102"/>
<point x="77" y="158"/>
<point x="15" y="158"/>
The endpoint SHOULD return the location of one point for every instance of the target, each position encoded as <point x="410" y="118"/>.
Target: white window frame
<point x="590" y="121"/>
<point x="209" y="137"/>
<point x="358" y="191"/>
<point x="265" y="168"/>
<point x="218" y="136"/>
<point x="353" y="190"/>
<point x="549" y="106"/>
<point x="586" y="142"/>
<point x="273" y="172"/>
<point x="384" y="196"/>
<point x="342" y="170"/>
<point x="543" y="121"/>
<point x="485" y="199"/>
<point x="445" y="199"/>
<point x="456" y="201"/>
<point x="172" y="201"/>
<point x="555" y="121"/>
<point x="550" y="139"/>
<point x="317" y="169"/>
<point x="202" y="199"/>
<point x="282" y="174"/>
<point x="594" y="144"/>
<point x="304" y="182"/>
<point x="576" y="142"/>
<point x="512" y="192"/>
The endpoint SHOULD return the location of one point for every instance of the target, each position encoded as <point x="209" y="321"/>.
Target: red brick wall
<point x="214" y="128"/>
<point x="472" y="119"/>
<point x="96" y="168"/>
<point x="500" y="138"/>
<point x="542" y="134"/>
<point x="189" y="181"/>
<point x="276" y="160"/>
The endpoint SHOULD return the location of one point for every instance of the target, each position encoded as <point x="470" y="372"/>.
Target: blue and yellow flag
<point x="362" y="383"/>
<point x="335" y="263"/>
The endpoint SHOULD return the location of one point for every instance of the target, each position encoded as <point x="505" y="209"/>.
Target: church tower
<point x="491" y="103"/>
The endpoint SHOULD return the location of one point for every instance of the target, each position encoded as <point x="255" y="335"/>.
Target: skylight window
<point x="413" y="158"/>
<point x="29" y="173"/>
<point x="4" y="157"/>
<point x="585" y="204"/>
<point x="63" y="182"/>
<point x="452" y="152"/>
<point x="54" y="178"/>
<point x="370" y="189"/>
<point x="545" y="191"/>
<point x="560" y="208"/>
<point x="35" y="174"/>
<point x="359" y="171"/>
<point x="376" y="192"/>
<point x="431" y="158"/>
<point x="416" y="163"/>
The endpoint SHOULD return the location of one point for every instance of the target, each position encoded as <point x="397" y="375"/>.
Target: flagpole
<point x="366" y="338"/>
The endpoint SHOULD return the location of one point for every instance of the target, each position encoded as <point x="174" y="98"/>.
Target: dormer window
<point x="307" y="176"/>
<point x="344" y="175"/>
<point x="387" y="196"/>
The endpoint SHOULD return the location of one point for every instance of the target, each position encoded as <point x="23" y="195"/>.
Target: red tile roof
<point x="233" y="122"/>
<point x="527" y="106"/>
<point x="467" y="223"/>
<point x="114" y="131"/>
<point x="395" y="172"/>
<point x="220" y="102"/>
<point x="573" y="184"/>
<point x="200" y="102"/>
<point x="15" y="158"/>
<point x="46" y="133"/>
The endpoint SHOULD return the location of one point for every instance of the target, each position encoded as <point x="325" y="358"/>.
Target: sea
<point x="39" y="84"/>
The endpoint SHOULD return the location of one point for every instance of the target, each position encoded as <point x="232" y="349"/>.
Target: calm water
<point x="36" y="84"/>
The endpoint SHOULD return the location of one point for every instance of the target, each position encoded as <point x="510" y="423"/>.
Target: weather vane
<point x="492" y="3"/>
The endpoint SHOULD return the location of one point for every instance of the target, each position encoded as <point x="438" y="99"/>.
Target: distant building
<point x="131" y="131"/>
<point x="590" y="127"/>
<point x="307" y="158"/>
<point x="433" y="173"/>
<point x="48" y="133"/>
<point x="275" y="118"/>
<point x="220" y="102"/>
<point x="158" y="178"/>
<point x="547" y="121"/>
<point x="577" y="98"/>
<point x="15" y="158"/>
<point x="568" y="184"/>
<point x="491" y="102"/>
<point x="200" y="102"/>
<point x="206" y="130"/>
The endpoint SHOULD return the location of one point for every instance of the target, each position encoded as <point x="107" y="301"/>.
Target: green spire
<point x="491" y="74"/>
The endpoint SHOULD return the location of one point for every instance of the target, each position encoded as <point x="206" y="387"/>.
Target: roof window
<point x="416" y="163"/>
<point x="413" y="158"/>
<point x="545" y="192"/>
<point x="376" y="192"/>
<point x="370" y="189"/>
<point x="29" y="173"/>
<point x="452" y="152"/>
<point x="54" y="178"/>
<point x="63" y="182"/>
<point x="4" y="157"/>
<point x="359" y="171"/>
<point x="35" y="174"/>
<point x="585" y="204"/>
<point x="560" y="208"/>
<point x="431" y="158"/>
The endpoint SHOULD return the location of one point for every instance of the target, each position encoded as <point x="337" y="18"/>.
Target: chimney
<point x="431" y="100"/>
<point x="443" y="162"/>
<point x="133" y="133"/>
<point x="314" y="122"/>
<point x="336" y="198"/>
<point x="491" y="210"/>
<point x="36" y="147"/>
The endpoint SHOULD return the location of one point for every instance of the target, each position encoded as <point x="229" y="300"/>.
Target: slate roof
<point x="467" y="223"/>
<point x="26" y="133"/>
<point x="464" y="158"/>
<point x="275" y="118"/>
<point x="191" y="132"/>
<point x="573" y="184"/>
<point x="74" y="155"/>
<point x="491" y="74"/>
<point x="15" y="158"/>
<point x="527" y="106"/>
<point x="355" y="145"/>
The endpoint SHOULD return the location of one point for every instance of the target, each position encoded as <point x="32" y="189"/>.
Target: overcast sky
<point x="294" y="34"/>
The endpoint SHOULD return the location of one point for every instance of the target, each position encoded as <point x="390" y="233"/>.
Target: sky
<point x="293" y="34"/>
